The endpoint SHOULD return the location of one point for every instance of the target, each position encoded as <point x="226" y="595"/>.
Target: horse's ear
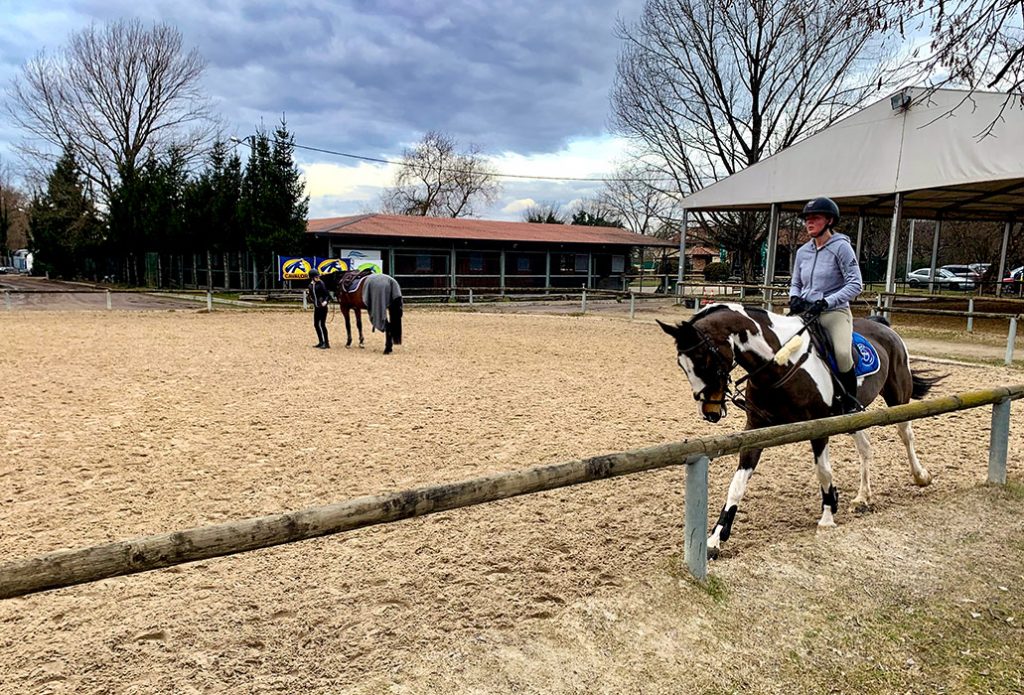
<point x="684" y="333"/>
<point x="668" y="328"/>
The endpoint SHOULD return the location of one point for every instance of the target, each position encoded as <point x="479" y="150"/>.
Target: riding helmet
<point x="822" y="206"/>
<point x="314" y="273"/>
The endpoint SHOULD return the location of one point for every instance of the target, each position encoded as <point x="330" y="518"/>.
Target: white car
<point x="943" y="279"/>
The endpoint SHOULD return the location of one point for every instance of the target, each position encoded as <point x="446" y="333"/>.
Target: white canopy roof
<point x="935" y="152"/>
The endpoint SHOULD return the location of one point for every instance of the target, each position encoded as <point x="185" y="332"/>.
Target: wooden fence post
<point x="696" y="528"/>
<point x="632" y="305"/>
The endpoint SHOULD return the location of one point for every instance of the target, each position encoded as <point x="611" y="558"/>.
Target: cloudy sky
<point x="528" y="81"/>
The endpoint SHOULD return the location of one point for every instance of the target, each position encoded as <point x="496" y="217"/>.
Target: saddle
<point x="865" y="357"/>
<point x="351" y="280"/>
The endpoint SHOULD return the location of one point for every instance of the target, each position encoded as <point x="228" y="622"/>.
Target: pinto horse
<point x="786" y="385"/>
<point x="378" y="294"/>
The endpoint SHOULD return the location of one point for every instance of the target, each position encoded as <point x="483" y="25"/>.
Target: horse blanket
<point x="378" y="293"/>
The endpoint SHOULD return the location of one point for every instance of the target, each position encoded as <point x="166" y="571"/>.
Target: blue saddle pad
<point x="865" y="357"/>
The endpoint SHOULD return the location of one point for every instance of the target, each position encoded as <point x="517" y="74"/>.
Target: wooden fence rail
<point x="64" y="568"/>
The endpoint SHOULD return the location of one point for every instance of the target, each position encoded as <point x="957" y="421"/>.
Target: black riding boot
<point x="848" y="401"/>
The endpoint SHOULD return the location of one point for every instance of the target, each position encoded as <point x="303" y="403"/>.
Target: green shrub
<point x="716" y="272"/>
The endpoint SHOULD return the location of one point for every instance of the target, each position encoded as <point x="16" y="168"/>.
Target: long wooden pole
<point x="69" y="567"/>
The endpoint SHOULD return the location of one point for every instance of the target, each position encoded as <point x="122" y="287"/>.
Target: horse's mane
<point x="715" y="308"/>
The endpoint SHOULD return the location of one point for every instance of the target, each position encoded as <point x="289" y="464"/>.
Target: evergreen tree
<point x="64" y="228"/>
<point x="274" y="205"/>
<point x="214" y="204"/>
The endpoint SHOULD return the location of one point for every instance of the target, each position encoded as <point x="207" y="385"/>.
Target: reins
<point x="726" y="373"/>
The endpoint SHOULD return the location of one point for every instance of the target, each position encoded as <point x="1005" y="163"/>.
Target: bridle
<point x="723" y="373"/>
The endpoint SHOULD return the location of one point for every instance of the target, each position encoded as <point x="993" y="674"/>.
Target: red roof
<point x="480" y="230"/>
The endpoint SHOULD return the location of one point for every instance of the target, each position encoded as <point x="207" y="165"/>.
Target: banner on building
<point x="360" y="259"/>
<point x="298" y="267"/>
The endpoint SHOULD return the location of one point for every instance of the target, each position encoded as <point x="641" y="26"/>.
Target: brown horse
<point x="785" y="385"/>
<point x="378" y="294"/>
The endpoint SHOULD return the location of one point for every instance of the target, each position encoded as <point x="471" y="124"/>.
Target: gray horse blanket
<point x="378" y="293"/>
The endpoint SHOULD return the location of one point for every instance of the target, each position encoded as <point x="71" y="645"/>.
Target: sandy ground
<point x="118" y="424"/>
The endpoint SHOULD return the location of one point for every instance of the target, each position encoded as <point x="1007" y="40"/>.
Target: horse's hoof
<point x="712" y="552"/>
<point x="825" y="525"/>
<point x="860" y="506"/>
<point x="923" y="480"/>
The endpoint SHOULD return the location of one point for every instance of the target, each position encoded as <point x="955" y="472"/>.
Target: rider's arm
<point x="796" y="285"/>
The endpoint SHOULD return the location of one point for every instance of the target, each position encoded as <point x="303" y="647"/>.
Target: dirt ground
<point x="118" y="424"/>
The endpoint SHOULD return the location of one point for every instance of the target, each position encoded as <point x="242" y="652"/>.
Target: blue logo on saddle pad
<point x="865" y="357"/>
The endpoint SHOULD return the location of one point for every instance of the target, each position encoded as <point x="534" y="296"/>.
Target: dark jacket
<point x="318" y="293"/>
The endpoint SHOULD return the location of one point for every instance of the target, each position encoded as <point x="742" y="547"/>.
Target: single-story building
<point x="436" y="252"/>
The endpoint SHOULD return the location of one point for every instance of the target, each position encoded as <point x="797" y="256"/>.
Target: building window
<point x="582" y="263"/>
<point x="618" y="264"/>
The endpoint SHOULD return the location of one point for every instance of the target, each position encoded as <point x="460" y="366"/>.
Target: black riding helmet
<point x="822" y="206"/>
<point x="314" y="273"/>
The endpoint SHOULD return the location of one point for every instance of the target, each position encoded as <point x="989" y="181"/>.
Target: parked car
<point x="980" y="268"/>
<point x="964" y="271"/>
<point x="1014" y="280"/>
<point x="943" y="279"/>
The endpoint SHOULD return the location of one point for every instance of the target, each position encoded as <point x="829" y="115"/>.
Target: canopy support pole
<point x="1002" y="258"/>
<point x="769" y="257"/>
<point x="910" y="248"/>
<point x="860" y="234"/>
<point x="682" y="247"/>
<point x="890" y="268"/>
<point x="935" y="254"/>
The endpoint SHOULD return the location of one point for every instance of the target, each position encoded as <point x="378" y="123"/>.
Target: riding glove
<point x="797" y="305"/>
<point x="816" y="308"/>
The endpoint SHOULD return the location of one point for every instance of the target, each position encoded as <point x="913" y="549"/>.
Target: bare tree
<point x="978" y="44"/>
<point x="706" y="88"/>
<point x="545" y="213"/>
<point x="637" y="198"/>
<point x="435" y="180"/>
<point x="13" y="214"/>
<point x="111" y="95"/>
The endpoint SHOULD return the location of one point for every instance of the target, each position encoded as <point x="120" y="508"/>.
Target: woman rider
<point x="826" y="278"/>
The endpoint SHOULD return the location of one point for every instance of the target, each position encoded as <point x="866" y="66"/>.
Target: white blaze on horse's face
<point x="691" y="375"/>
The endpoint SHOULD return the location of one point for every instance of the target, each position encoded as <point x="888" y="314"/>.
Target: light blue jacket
<point x="830" y="273"/>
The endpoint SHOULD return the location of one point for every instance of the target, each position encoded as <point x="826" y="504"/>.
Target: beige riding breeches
<point x="839" y="324"/>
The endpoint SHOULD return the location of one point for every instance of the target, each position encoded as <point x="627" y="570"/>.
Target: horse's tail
<point x="923" y="382"/>
<point x="395" y="320"/>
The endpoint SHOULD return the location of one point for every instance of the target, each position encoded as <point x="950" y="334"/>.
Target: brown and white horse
<point x="795" y="388"/>
<point x="378" y="294"/>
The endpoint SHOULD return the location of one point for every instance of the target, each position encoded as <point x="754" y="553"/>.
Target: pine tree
<point x="274" y="205"/>
<point x="64" y="227"/>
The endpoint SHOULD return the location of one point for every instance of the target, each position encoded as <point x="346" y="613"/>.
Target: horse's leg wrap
<point x="724" y="525"/>
<point x="723" y="529"/>
<point x="830" y="499"/>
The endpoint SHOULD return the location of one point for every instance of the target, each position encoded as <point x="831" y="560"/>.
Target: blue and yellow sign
<point x="295" y="267"/>
<point x="298" y="267"/>
<point x="333" y="265"/>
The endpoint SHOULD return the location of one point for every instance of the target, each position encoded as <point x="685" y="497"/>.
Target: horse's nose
<point x="713" y="416"/>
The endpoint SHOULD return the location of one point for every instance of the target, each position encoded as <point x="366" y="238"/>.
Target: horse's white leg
<point x="738" y="486"/>
<point x="918" y="472"/>
<point x="829" y="494"/>
<point x="863" y="498"/>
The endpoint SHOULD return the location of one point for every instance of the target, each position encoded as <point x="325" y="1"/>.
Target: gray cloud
<point x="368" y="77"/>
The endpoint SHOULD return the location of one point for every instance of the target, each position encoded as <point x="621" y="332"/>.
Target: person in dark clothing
<point x="321" y="300"/>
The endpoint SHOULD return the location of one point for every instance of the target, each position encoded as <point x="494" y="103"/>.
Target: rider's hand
<point x="797" y="304"/>
<point x="816" y="308"/>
